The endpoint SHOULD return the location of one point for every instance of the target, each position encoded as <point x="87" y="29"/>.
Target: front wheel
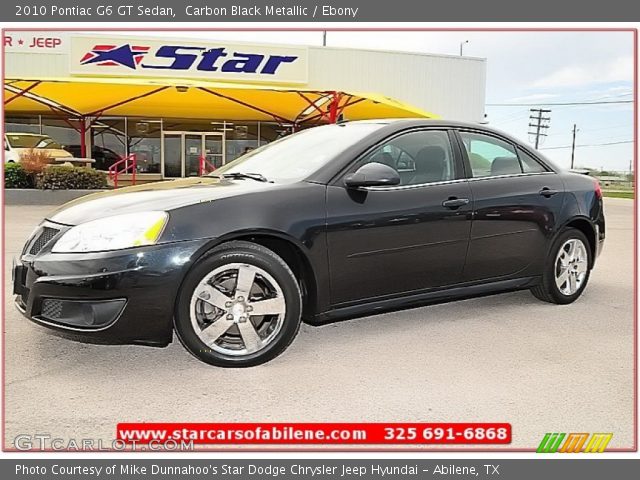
<point x="567" y="268"/>
<point x="239" y="306"/>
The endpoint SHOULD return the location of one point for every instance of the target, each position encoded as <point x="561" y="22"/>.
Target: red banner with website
<point x="316" y="433"/>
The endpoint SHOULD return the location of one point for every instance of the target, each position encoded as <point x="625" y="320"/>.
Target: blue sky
<point x="523" y="67"/>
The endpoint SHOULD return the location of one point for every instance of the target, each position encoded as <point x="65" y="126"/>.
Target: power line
<point x="588" y="145"/>
<point x="559" y="104"/>
<point x="609" y="127"/>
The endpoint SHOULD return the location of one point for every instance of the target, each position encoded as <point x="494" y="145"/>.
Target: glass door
<point x="214" y="150"/>
<point x="172" y="151"/>
<point x="192" y="153"/>
<point x="182" y="153"/>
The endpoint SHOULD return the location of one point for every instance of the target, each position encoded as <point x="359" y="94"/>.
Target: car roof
<point x="407" y="123"/>
<point x="422" y="122"/>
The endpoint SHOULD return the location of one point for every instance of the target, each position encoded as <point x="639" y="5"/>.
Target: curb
<point x="32" y="196"/>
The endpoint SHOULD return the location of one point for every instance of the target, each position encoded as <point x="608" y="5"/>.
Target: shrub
<point x="65" y="178"/>
<point x="35" y="160"/>
<point x="15" y="176"/>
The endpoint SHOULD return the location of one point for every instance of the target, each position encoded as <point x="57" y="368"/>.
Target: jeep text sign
<point x="222" y="61"/>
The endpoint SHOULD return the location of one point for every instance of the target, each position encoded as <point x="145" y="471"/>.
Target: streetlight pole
<point x="324" y="38"/>
<point x="462" y="44"/>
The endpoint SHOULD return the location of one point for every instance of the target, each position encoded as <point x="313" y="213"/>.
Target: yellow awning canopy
<point x="179" y="98"/>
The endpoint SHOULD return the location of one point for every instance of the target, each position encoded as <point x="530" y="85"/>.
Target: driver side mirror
<point x="373" y="175"/>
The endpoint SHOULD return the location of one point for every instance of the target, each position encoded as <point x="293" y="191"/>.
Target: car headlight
<point x="113" y="233"/>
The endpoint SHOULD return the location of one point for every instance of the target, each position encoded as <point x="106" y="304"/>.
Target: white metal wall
<point x="452" y="87"/>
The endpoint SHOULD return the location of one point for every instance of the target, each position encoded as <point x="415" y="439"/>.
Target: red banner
<point x="316" y="433"/>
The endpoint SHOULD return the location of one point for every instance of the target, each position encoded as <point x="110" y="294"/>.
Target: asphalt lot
<point x="506" y="358"/>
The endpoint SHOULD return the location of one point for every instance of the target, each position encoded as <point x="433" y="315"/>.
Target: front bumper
<point x="124" y="296"/>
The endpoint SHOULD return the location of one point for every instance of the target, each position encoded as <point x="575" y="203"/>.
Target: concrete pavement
<point x="505" y="357"/>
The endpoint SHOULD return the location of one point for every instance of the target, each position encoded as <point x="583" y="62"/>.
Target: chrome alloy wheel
<point x="571" y="266"/>
<point x="237" y="309"/>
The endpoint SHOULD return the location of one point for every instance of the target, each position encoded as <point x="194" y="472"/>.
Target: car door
<point x="385" y="241"/>
<point x="516" y="200"/>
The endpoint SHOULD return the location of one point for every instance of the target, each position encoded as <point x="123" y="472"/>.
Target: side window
<point x="529" y="164"/>
<point x="490" y="156"/>
<point x="419" y="157"/>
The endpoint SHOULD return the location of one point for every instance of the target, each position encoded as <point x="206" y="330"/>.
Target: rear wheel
<point x="567" y="268"/>
<point x="239" y="306"/>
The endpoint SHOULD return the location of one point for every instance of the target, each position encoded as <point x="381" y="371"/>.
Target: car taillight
<point x="598" y="189"/>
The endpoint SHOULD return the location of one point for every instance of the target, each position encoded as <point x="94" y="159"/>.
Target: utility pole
<point x="324" y="38"/>
<point x="540" y="125"/>
<point x="573" y="144"/>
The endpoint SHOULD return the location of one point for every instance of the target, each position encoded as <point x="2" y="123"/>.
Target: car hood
<point x="52" y="152"/>
<point x="165" y="196"/>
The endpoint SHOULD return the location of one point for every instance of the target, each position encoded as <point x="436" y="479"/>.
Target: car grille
<point x="44" y="236"/>
<point x="51" y="309"/>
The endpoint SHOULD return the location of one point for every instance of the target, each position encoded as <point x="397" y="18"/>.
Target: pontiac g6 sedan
<point x="331" y="222"/>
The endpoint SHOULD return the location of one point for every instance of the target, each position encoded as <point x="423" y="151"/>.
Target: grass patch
<point x="618" y="194"/>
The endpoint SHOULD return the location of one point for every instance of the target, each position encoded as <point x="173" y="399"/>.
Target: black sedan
<point x="331" y="222"/>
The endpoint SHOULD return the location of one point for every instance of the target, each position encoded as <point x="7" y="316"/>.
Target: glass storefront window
<point x="145" y="142"/>
<point x="270" y="131"/>
<point x="62" y="132"/>
<point x="241" y="138"/>
<point x="108" y="141"/>
<point x="27" y="124"/>
<point x="112" y="138"/>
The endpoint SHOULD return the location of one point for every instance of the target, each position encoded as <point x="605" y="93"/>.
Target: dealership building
<point x="172" y="102"/>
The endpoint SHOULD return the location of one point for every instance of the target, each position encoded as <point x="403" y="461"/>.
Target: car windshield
<point x="295" y="157"/>
<point x="32" y="141"/>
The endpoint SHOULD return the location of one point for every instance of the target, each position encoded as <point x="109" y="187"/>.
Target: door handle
<point x="547" y="192"/>
<point x="454" y="202"/>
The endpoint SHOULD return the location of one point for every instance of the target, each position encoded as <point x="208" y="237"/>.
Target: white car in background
<point x="15" y="143"/>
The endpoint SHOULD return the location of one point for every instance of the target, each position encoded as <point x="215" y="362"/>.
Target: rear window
<point x="490" y="156"/>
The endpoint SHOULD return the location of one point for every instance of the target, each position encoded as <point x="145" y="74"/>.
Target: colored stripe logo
<point x="574" y="443"/>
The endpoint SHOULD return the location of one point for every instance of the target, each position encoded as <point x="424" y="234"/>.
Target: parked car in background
<point x="104" y="157"/>
<point x="15" y="143"/>
<point x="328" y="223"/>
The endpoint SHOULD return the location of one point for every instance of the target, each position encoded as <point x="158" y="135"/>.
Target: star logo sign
<point x="112" y="55"/>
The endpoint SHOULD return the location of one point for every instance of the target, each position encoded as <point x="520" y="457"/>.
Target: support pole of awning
<point x="333" y="107"/>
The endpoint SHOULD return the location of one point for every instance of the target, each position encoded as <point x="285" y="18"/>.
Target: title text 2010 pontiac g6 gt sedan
<point x="331" y="222"/>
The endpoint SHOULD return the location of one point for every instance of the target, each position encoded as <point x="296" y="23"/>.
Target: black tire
<point x="547" y="290"/>
<point x="254" y="255"/>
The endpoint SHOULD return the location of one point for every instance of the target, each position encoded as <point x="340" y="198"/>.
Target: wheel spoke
<point x="582" y="267"/>
<point x="562" y="278"/>
<point x="213" y="296"/>
<point x="271" y="306"/>
<point x="214" y="331"/>
<point x="250" y="337"/>
<point x="572" y="249"/>
<point x="244" y="282"/>
<point x="572" y="284"/>
<point x="563" y="258"/>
